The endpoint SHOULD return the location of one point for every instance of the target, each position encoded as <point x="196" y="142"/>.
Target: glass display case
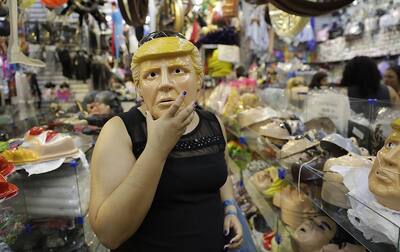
<point x="368" y="123"/>
<point x="49" y="213"/>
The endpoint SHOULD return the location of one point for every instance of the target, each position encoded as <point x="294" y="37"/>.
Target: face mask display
<point x="264" y="179"/>
<point x="384" y="178"/>
<point x="255" y="115"/>
<point x="333" y="189"/>
<point x="296" y="146"/>
<point x="313" y="234"/>
<point x="337" y="145"/>
<point x="295" y="206"/>
<point x="323" y="123"/>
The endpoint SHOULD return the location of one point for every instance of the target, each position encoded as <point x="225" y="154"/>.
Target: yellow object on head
<point x="163" y="48"/>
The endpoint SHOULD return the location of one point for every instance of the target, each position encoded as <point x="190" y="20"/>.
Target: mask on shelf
<point x="313" y="234"/>
<point x="255" y="115"/>
<point x="384" y="178"/>
<point x="333" y="189"/>
<point x="295" y="206"/>
<point x="309" y="171"/>
<point x="297" y="145"/>
<point x="265" y="179"/>
<point x="322" y="123"/>
<point x="250" y="100"/>
<point x="338" y="146"/>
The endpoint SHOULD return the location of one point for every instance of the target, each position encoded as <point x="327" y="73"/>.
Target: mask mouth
<point x="166" y="100"/>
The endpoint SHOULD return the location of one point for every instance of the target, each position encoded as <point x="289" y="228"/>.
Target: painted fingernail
<point x="226" y="232"/>
<point x="184" y="93"/>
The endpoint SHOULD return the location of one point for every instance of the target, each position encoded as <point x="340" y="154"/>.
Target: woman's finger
<point x="188" y="120"/>
<point x="235" y="239"/>
<point x="236" y="244"/>
<point x="227" y="225"/>
<point x="176" y="105"/>
<point x="185" y="113"/>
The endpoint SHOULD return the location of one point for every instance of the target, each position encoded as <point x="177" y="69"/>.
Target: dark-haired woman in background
<point x="363" y="81"/>
<point x="392" y="78"/>
<point x="318" y="80"/>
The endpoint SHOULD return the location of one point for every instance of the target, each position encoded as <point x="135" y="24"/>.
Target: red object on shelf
<point x="50" y="135"/>
<point x="268" y="240"/>
<point x="35" y="131"/>
<point x="7" y="190"/>
<point x="6" y="168"/>
<point x="54" y="3"/>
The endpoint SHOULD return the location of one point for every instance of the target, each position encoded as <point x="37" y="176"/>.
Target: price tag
<point x="229" y="53"/>
<point x="329" y="104"/>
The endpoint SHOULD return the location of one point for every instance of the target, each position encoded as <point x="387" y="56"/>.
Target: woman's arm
<point x="226" y="192"/>
<point x="122" y="188"/>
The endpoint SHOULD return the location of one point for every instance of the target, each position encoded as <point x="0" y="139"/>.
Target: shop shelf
<point x="339" y="215"/>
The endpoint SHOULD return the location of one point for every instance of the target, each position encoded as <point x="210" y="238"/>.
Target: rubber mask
<point x="384" y="178"/>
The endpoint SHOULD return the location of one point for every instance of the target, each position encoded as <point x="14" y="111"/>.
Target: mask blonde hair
<point x="165" y="47"/>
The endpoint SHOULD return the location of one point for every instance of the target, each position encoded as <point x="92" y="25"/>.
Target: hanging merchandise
<point x="101" y="75"/>
<point x="4" y="23"/>
<point x="117" y="29"/>
<point x="14" y="53"/>
<point x="81" y="65"/>
<point x="86" y="8"/>
<point x="218" y="68"/>
<point x="308" y="35"/>
<point x="134" y="11"/>
<point x="230" y="8"/>
<point x="66" y="62"/>
<point x="226" y="35"/>
<point x="171" y="16"/>
<point x="257" y="31"/>
<point x="285" y="24"/>
<point x="310" y="8"/>
<point x="24" y="93"/>
<point x="53" y="3"/>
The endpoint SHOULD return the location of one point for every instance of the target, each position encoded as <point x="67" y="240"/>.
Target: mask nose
<point x="165" y="80"/>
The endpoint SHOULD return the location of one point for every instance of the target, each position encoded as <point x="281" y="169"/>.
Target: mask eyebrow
<point x="180" y="65"/>
<point x="149" y="70"/>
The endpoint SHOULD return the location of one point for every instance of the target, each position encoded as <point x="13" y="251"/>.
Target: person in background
<point x="363" y="81"/>
<point x="392" y="78"/>
<point x="318" y="80"/>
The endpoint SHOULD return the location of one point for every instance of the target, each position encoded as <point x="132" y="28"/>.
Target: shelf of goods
<point x="384" y="43"/>
<point x="343" y="217"/>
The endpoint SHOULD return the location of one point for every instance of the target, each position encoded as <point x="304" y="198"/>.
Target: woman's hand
<point x="164" y="133"/>
<point x="232" y="222"/>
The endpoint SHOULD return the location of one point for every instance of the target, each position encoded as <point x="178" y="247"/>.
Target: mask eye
<point x="178" y="71"/>
<point x="151" y="75"/>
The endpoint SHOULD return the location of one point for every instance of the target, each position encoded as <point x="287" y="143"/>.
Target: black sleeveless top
<point x="186" y="213"/>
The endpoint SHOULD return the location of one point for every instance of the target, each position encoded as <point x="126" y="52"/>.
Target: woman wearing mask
<point x="159" y="171"/>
